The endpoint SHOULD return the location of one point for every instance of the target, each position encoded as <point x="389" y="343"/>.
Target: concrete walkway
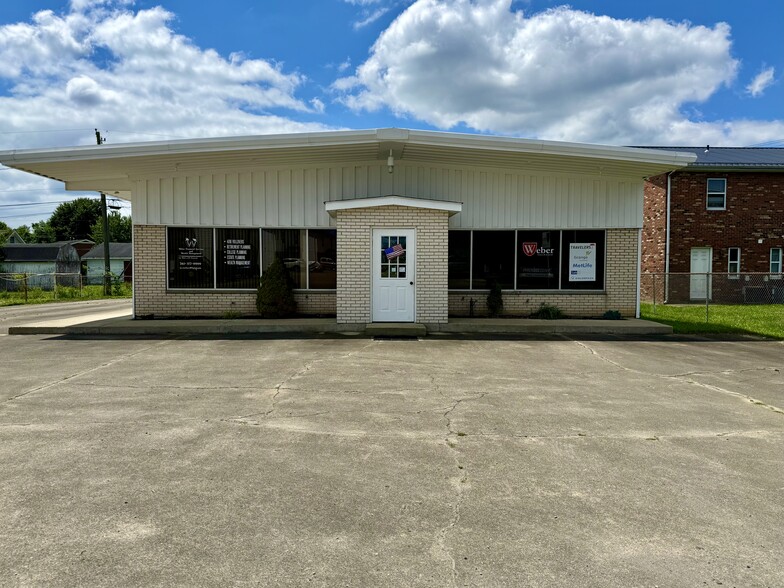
<point x="120" y="323"/>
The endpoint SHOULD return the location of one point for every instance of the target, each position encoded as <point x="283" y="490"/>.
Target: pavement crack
<point x="103" y="365"/>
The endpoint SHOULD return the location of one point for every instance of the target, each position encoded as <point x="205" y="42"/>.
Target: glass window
<point x="190" y="255"/>
<point x="493" y="259"/>
<point x="393" y="256"/>
<point x="289" y="246"/>
<point x="237" y="253"/>
<point x="538" y="259"/>
<point x="459" y="260"/>
<point x="775" y="260"/>
<point x="733" y="261"/>
<point x="582" y="260"/>
<point x="717" y="193"/>
<point x="322" y="259"/>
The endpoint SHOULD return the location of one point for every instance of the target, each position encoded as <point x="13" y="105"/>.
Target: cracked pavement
<point x="144" y="462"/>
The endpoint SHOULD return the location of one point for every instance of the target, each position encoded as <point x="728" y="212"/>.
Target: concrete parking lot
<point x="212" y="462"/>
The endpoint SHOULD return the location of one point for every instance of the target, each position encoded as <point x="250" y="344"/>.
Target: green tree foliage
<point x="75" y="219"/>
<point x="120" y="229"/>
<point x="42" y="233"/>
<point x="275" y="296"/>
<point x="5" y="231"/>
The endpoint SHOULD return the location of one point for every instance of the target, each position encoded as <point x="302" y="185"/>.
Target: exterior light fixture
<point x="390" y="162"/>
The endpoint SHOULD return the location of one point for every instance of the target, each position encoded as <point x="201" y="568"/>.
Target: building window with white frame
<point x="775" y="262"/>
<point x="717" y="193"/>
<point x="733" y="262"/>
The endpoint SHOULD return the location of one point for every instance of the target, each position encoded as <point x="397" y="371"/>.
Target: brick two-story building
<point x="721" y="215"/>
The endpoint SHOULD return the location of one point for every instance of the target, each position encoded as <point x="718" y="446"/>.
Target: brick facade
<point x="352" y="301"/>
<point x="620" y="288"/>
<point x="355" y="233"/>
<point x="153" y="299"/>
<point x="754" y="210"/>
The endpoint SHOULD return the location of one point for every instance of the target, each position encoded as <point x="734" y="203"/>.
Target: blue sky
<point x="610" y="72"/>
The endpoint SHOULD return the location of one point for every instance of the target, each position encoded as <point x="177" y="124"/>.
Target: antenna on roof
<point x="707" y="148"/>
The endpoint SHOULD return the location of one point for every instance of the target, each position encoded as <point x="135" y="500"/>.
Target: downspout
<point x="639" y="270"/>
<point x="667" y="241"/>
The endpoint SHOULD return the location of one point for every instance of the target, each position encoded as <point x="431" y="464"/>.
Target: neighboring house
<point x="41" y="262"/>
<point x="385" y="225"/>
<point x="721" y="215"/>
<point x="82" y="246"/>
<point x="14" y="238"/>
<point x="120" y="262"/>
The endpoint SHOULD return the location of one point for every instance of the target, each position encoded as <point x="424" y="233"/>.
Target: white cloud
<point x="103" y="64"/>
<point x="561" y="74"/>
<point x="761" y="81"/>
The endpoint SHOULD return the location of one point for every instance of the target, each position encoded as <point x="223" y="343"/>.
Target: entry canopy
<point x="113" y="168"/>
<point x="332" y="207"/>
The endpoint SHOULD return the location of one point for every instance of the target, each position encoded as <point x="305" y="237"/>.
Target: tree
<point x="74" y="220"/>
<point x="5" y="231"/>
<point x="120" y="229"/>
<point x="43" y="233"/>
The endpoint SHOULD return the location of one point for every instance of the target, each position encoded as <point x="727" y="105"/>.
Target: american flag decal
<point x="394" y="251"/>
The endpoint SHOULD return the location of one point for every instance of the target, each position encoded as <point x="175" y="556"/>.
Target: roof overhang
<point x="113" y="168"/>
<point x="333" y="206"/>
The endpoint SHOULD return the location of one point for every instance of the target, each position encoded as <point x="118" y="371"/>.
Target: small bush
<point x="275" y="296"/>
<point x="548" y="312"/>
<point x="495" y="300"/>
<point x="612" y="315"/>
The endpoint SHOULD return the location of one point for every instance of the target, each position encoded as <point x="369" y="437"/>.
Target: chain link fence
<point x="712" y="288"/>
<point x="46" y="282"/>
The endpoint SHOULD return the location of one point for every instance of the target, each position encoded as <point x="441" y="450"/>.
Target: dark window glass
<point x="538" y="260"/>
<point x="322" y="259"/>
<point x="582" y="260"/>
<point x="493" y="259"/>
<point x="237" y="253"/>
<point x="459" y="260"/>
<point x="190" y="258"/>
<point x="287" y="245"/>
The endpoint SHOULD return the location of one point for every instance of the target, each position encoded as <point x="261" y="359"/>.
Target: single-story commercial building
<point x="386" y="225"/>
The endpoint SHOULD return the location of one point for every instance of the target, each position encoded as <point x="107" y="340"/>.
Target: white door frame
<point x="404" y="288"/>
<point x="699" y="286"/>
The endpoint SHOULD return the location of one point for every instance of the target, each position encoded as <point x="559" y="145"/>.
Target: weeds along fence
<point x="46" y="282"/>
<point x="711" y="288"/>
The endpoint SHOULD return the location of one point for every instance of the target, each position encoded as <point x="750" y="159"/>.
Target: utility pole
<point x="107" y="268"/>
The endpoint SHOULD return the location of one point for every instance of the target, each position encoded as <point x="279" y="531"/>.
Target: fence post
<point x="24" y="284"/>
<point x="707" y="295"/>
<point x="654" y="293"/>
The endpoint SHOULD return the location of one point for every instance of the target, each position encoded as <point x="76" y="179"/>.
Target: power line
<point x="34" y="203"/>
<point x="42" y="131"/>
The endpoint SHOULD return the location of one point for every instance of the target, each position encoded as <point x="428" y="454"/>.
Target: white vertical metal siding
<point x="295" y="196"/>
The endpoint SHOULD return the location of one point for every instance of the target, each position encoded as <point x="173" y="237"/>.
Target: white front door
<point x="394" y="263"/>
<point x="701" y="267"/>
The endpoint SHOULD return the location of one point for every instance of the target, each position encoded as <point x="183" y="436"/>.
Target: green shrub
<point x="548" y="312"/>
<point x="275" y="296"/>
<point x="495" y="300"/>
<point x="612" y="315"/>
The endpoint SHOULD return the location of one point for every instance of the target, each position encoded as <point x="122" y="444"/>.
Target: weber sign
<point x="531" y="248"/>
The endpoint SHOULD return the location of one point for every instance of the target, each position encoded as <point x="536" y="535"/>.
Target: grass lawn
<point x="63" y="294"/>
<point x="766" y="320"/>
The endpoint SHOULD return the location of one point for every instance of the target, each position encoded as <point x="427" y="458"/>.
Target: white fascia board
<point x="513" y="144"/>
<point x="329" y="138"/>
<point x="333" y="206"/>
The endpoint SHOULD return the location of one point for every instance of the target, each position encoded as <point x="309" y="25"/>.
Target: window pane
<point x="582" y="260"/>
<point x="287" y="245"/>
<point x="237" y="258"/>
<point x="493" y="259"/>
<point x="538" y="259"/>
<point x="717" y="185"/>
<point x="459" y="260"/>
<point x="322" y="256"/>
<point x="190" y="258"/>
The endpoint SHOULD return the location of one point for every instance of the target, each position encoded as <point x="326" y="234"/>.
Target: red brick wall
<point x="755" y="209"/>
